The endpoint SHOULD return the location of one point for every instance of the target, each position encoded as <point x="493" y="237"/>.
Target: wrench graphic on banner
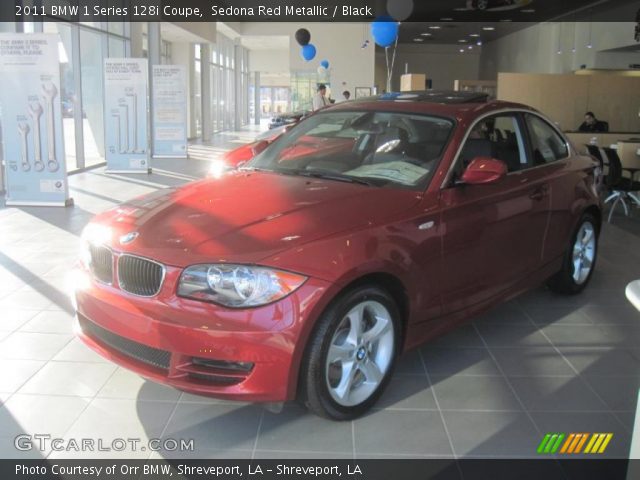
<point x="49" y="93"/>
<point x="35" y="112"/>
<point x="23" y="130"/>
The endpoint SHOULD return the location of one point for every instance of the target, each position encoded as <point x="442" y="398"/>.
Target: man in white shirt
<point x="319" y="99"/>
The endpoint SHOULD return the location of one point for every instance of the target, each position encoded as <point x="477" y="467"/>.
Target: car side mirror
<point x="259" y="147"/>
<point x="484" y="170"/>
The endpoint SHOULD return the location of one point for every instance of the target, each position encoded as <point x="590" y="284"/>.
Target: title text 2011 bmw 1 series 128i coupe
<point x="364" y="231"/>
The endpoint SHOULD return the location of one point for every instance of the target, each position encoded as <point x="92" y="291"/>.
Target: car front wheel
<point x="579" y="259"/>
<point x="351" y="354"/>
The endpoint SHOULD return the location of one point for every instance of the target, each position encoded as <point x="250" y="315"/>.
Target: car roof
<point x="448" y="103"/>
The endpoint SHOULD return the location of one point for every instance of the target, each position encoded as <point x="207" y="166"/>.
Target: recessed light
<point x="462" y="50"/>
<point x="474" y="35"/>
<point x="418" y="39"/>
<point x="446" y="19"/>
<point x="435" y="27"/>
<point x="470" y="47"/>
<point x="488" y="29"/>
<point x="479" y="43"/>
<point x="426" y="34"/>
<point x="462" y="40"/>
<point x="505" y="19"/>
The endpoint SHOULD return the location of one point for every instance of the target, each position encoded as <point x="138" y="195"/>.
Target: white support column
<point x="237" y="79"/>
<point x="256" y="98"/>
<point x="154" y="48"/>
<point x="205" y="90"/>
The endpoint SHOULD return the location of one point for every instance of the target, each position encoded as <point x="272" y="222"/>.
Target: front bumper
<point x="196" y="346"/>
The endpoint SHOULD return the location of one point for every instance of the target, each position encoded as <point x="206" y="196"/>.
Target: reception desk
<point x="579" y="139"/>
<point x="626" y="144"/>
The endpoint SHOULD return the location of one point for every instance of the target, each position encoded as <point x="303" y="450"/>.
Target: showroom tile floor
<point x="541" y="363"/>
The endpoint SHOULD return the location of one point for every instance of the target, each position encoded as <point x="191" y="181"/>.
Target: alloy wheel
<point x="360" y="353"/>
<point x="584" y="251"/>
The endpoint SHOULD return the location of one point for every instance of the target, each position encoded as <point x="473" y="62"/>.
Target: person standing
<point x="346" y="95"/>
<point x="320" y="99"/>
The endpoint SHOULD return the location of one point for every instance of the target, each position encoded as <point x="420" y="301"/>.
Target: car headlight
<point x="237" y="286"/>
<point x="93" y="234"/>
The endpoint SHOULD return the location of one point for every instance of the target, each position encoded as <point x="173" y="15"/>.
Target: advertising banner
<point x="169" y="111"/>
<point x="31" y="114"/>
<point x="125" y="110"/>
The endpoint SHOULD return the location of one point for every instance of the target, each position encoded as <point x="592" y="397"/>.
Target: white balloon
<point x="400" y="9"/>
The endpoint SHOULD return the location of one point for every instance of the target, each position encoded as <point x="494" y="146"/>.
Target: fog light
<point x="223" y="364"/>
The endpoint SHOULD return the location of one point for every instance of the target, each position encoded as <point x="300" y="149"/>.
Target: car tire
<point x="351" y="354"/>
<point x="579" y="259"/>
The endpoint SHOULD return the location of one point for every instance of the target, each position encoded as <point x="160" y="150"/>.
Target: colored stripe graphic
<point x="574" y="443"/>
<point x="543" y="443"/>
<point x="551" y="442"/>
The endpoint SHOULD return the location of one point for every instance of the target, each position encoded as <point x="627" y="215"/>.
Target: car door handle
<point x="539" y="193"/>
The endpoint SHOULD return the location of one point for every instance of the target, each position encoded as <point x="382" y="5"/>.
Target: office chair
<point x="621" y="188"/>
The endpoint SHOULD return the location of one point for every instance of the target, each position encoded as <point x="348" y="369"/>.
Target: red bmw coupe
<point x="368" y="229"/>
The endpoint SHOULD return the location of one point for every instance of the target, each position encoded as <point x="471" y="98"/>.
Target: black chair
<point x="621" y="188"/>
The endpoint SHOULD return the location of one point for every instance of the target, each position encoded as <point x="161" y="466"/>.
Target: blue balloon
<point x="384" y="31"/>
<point x="324" y="63"/>
<point x="308" y="52"/>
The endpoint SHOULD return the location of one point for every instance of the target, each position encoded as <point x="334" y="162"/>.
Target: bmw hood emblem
<point x="128" y="237"/>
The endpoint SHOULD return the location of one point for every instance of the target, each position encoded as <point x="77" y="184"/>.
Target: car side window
<point x="499" y="137"/>
<point x="546" y="144"/>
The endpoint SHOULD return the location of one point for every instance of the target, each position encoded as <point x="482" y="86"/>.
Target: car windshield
<point x="375" y="148"/>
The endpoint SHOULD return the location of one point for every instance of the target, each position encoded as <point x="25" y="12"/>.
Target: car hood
<point x="246" y="216"/>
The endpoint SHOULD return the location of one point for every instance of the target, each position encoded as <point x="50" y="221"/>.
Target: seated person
<point x="592" y="124"/>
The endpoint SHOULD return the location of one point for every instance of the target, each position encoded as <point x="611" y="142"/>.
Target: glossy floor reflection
<point x="542" y="363"/>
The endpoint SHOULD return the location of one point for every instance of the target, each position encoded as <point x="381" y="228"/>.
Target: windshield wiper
<point x="330" y="176"/>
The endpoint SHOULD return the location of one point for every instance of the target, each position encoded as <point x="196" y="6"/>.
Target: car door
<point x="550" y="156"/>
<point x="493" y="233"/>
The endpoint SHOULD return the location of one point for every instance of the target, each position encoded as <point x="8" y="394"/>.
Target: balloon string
<point x="393" y="61"/>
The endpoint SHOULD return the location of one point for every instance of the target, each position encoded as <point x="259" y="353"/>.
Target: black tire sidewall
<point x="317" y="396"/>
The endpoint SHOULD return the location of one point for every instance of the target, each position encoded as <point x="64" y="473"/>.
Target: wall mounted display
<point x="125" y="123"/>
<point x="169" y="99"/>
<point x="34" y="154"/>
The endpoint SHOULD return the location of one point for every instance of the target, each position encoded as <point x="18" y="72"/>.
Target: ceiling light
<point x="474" y="34"/>
<point x="418" y="39"/>
<point x="505" y="19"/>
<point x="446" y="19"/>
<point x="528" y="10"/>
<point x="479" y="43"/>
<point x="435" y="27"/>
<point x="589" y="46"/>
<point x="426" y="34"/>
<point x="462" y="40"/>
<point x="470" y="47"/>
<point x="488" y="29"/>
<point x="462" y="50"/>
